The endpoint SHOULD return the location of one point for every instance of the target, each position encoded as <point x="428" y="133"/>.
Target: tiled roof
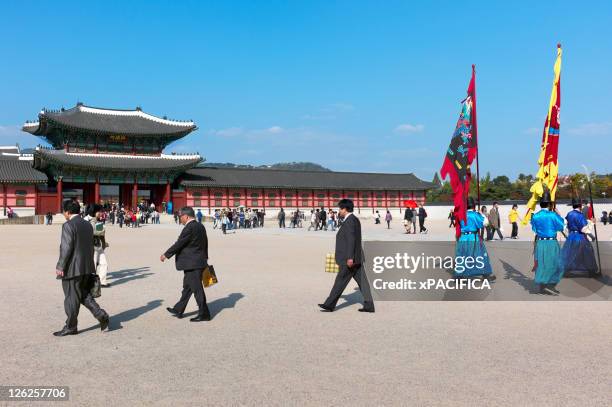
<point x="44" y="157"/>
<point x="111" y="121"/>
<point x="268" y="178"/>
<point x="14" y="171"/>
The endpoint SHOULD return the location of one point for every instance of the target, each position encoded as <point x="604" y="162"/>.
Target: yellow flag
<point x="548" y="171"/>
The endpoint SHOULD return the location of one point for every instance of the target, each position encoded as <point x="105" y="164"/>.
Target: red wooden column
<point x="4" y="198"/>
<point x="135" y="194"/>
<point x="97" y="191"/>
<point x="358" y="202"/>
<point x="208" y="200"/>
<point x="168" y="193"/>
<point x="227" y="197"/>
<point x="313" y="198"/>
<point x="60" y="185"/>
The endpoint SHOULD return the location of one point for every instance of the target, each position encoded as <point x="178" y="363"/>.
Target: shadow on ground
<point x="518" y="277"/>
<point x="123" y="276"/>
<point x="220" y="304"/>
<point x="351" y="299"/>
<point x="116" y="320"/>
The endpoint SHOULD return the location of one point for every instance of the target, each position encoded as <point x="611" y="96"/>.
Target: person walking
<point x="548" y="265"/>
<point x="495" y="222"/>
<point x="388" y="219"/>
<point x="199" y="215"/>
<point x="377" y="218"/>
<point x="408" y="217"/>
<point x="76" y="269"/>
<point x="99" y="240"/>
<point x="313" y="220"/>
<point x="422" y="215"/>
<point x="577" y="253"/>
<point x="191" y="251"/>
<point x="470" y="245"/>
<point x="513" y="217"/>
<point x="349" y="257"/>
<point x="281" y="218"/>
<point x="323" y="217"/>
<point x="487" y="228"/>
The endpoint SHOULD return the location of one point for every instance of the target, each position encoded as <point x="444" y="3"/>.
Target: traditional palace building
<point x="108" y="155"/>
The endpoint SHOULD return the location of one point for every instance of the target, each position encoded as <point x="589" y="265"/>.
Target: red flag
<point x="461" y="152"/>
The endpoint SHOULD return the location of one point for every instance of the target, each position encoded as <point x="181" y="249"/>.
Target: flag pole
<point x="594" y="219"/>
<point x="475" y="134"/>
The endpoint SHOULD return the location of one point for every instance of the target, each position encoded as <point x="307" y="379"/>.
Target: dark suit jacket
<point x="76" y="249"/>
<point x="348" y="241"/>
<point x="191" y="248"/>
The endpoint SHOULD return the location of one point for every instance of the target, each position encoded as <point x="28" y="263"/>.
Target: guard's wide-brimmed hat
<point x="546" y="199"/>
<point x="470" y="202"/>
<point x="576" y="201"/>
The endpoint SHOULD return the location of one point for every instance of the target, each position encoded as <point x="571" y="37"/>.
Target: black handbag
<point x="96" y="287"/>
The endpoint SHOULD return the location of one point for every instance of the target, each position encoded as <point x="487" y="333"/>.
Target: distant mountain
<point x="293" y="166"/>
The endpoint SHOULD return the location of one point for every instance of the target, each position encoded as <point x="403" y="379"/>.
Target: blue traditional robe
<point x="546" y="224"/>
<point x="577" y="253"/>
<point x="470" y="245"/>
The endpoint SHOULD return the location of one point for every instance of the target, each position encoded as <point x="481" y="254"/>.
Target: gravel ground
<point x="268" y="344"/>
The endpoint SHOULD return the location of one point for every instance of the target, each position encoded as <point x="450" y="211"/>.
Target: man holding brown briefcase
<point x="191" y="251"/>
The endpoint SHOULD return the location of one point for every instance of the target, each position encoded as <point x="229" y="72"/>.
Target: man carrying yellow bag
<point x="191" y="251"/>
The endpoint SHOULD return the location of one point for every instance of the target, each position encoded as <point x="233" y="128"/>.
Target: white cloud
<point x="275" y="129"/>
<point x="591" y="129"/>
<point x="410" y="128"/>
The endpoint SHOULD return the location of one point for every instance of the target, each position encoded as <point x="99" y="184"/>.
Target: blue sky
<point x="352" y="85"/>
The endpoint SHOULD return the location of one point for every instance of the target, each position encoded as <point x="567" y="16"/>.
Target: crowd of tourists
<point x="228" y="219"/>
<point x="320" y="219"/>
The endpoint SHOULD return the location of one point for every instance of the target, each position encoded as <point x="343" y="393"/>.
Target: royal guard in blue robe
<point x="547" y="252"/>
<point x="577" y="253"/>
<point x="470" y="245"/>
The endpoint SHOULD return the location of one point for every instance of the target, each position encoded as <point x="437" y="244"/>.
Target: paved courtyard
<point x="268" y="344"/>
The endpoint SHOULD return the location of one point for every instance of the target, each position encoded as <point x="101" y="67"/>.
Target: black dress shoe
<point x="104" y="322"/>
<point x="65" y="331"/>
<point x="200" y="318"/>
<point x="174" y="312"/>
<point x="366" y="310"/>
<point x="325" y="308"/>
<point x="105" y="285"/>
<point x="553" y="289"/>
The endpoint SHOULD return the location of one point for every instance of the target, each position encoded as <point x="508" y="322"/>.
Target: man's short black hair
<point x="187" y="210"/>
<point x="495" y="203"/>
<point x="71" y="206"/>
<point x="346" y="204"/>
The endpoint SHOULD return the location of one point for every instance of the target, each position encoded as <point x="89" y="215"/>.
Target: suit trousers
<point x="342" y="279"/>
<point x="101" y="264"/>
<point x="76" y="292"/>
<point x="192" y="284"/>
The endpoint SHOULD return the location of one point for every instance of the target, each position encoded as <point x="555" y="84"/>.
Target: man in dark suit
<point x="191" y="250"/>
<point x="349" y="257"/>
<point x="76" y="269"/>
